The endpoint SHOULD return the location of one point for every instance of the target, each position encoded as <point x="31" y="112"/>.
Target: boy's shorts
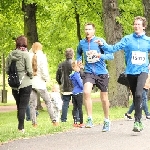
<point x="101" y="81"/>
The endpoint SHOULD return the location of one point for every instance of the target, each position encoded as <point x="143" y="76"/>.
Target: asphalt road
<point x="121" y="137"/>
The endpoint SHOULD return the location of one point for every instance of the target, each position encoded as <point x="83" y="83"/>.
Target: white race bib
<point x="138" y="58"/>
<point x="92" y="56"/>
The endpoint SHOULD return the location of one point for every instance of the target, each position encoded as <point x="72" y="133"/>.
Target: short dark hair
<point x="69" y="53"/>
<point x="21" y="41"/>
<point x="89" y="23"/>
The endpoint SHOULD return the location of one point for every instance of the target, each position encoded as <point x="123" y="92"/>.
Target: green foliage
<point x="56" y="24"/>
<point x="11" y="24"/>
<point x="128" y="10"/>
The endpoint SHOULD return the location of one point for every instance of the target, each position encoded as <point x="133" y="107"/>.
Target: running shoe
<point x="89" y="123"/>
<point x="106" y="126"/>
<point x="141" y="126"/>
<point x="136" y="127"/>
<point x="22" y="131"/>
<point x="148" y="116"/>
<point x="127" y="117"/>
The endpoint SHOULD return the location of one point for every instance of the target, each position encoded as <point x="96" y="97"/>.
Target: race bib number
<point x="92" y="56"/>
<point x="138" y="58"/>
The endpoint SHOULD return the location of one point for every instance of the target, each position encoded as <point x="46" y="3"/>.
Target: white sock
<point x="90" y="117"/>
<point x="106" y="119"/>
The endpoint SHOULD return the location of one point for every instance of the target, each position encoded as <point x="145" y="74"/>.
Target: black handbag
<point x="122" y="79"/>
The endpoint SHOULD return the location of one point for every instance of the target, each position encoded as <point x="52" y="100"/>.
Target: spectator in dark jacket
<point x="62" y="77"/>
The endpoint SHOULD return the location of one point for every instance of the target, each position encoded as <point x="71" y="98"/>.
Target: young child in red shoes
<point x="77" y="94"/>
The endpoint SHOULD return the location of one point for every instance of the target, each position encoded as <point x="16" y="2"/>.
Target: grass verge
<point x="8" y="123"/>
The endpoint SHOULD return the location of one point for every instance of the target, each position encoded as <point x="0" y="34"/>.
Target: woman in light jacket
<point x="40" y="77"/>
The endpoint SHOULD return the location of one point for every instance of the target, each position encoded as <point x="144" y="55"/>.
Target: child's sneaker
<point x="34" y="125"/>
<point x="75" y="125"/>
<point x="136" y="127"/>
<point x="89" y="123"/>
<point x="127" y="117"/>
<point x="81" y="125"/>
<point x="55" y="123"/>
<point x="106" y="126"/>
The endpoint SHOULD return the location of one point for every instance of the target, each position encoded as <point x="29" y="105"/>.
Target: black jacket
<point x="62" y="75"/>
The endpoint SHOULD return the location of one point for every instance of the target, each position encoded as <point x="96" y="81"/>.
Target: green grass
<point x="8" y="123"/>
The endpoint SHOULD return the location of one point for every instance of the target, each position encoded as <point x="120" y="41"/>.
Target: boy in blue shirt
<point x="77" y="94"/>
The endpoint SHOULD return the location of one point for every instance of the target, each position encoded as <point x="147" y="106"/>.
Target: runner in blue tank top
<point x="136" y="47"/>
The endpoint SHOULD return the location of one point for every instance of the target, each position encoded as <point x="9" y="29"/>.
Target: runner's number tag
<point x="92" y="56"/>
<point x="138" y="58"/>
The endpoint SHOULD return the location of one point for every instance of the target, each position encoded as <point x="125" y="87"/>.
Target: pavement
<point x="120" y="137"/>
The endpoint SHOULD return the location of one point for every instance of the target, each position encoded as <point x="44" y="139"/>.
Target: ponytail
<point x="35" y="47"/>
<point x="34" y="64"/>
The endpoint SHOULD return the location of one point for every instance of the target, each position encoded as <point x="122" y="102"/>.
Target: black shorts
<point x="101" y="81"/>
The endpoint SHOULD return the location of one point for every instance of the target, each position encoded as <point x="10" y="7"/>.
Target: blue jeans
<point x="28" y="113"/>
<point x="144" y="103"/>
<point x="66" y="100"/>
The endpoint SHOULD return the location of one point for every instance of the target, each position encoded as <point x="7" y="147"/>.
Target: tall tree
<point x="30" y="28"/>
<point x="146" y="6"/>
<point x="118" y="94"/>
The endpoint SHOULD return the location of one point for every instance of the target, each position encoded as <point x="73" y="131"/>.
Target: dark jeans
<point x="66" y="100"/>
<point x="137" y="83"/>
<point x="77" y="105"/>
<point x="22" y="99"/>
<point x="144" y="103"/>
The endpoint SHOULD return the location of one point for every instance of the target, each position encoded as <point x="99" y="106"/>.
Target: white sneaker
<point x="22" y="131"/>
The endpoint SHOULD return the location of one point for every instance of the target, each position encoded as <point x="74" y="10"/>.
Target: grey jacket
<point x="23" y="64"/>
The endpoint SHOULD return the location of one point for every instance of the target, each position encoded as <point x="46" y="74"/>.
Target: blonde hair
<point x="55" y="88"/>
<point x="35" y="47"/>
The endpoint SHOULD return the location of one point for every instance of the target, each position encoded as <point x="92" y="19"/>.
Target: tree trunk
<point x="78" y="25"/>
<point x="146" y="5"/>
<point x="77" y="17"/>
<point x="30" y="30"/>
<point x="118" y="94"/>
